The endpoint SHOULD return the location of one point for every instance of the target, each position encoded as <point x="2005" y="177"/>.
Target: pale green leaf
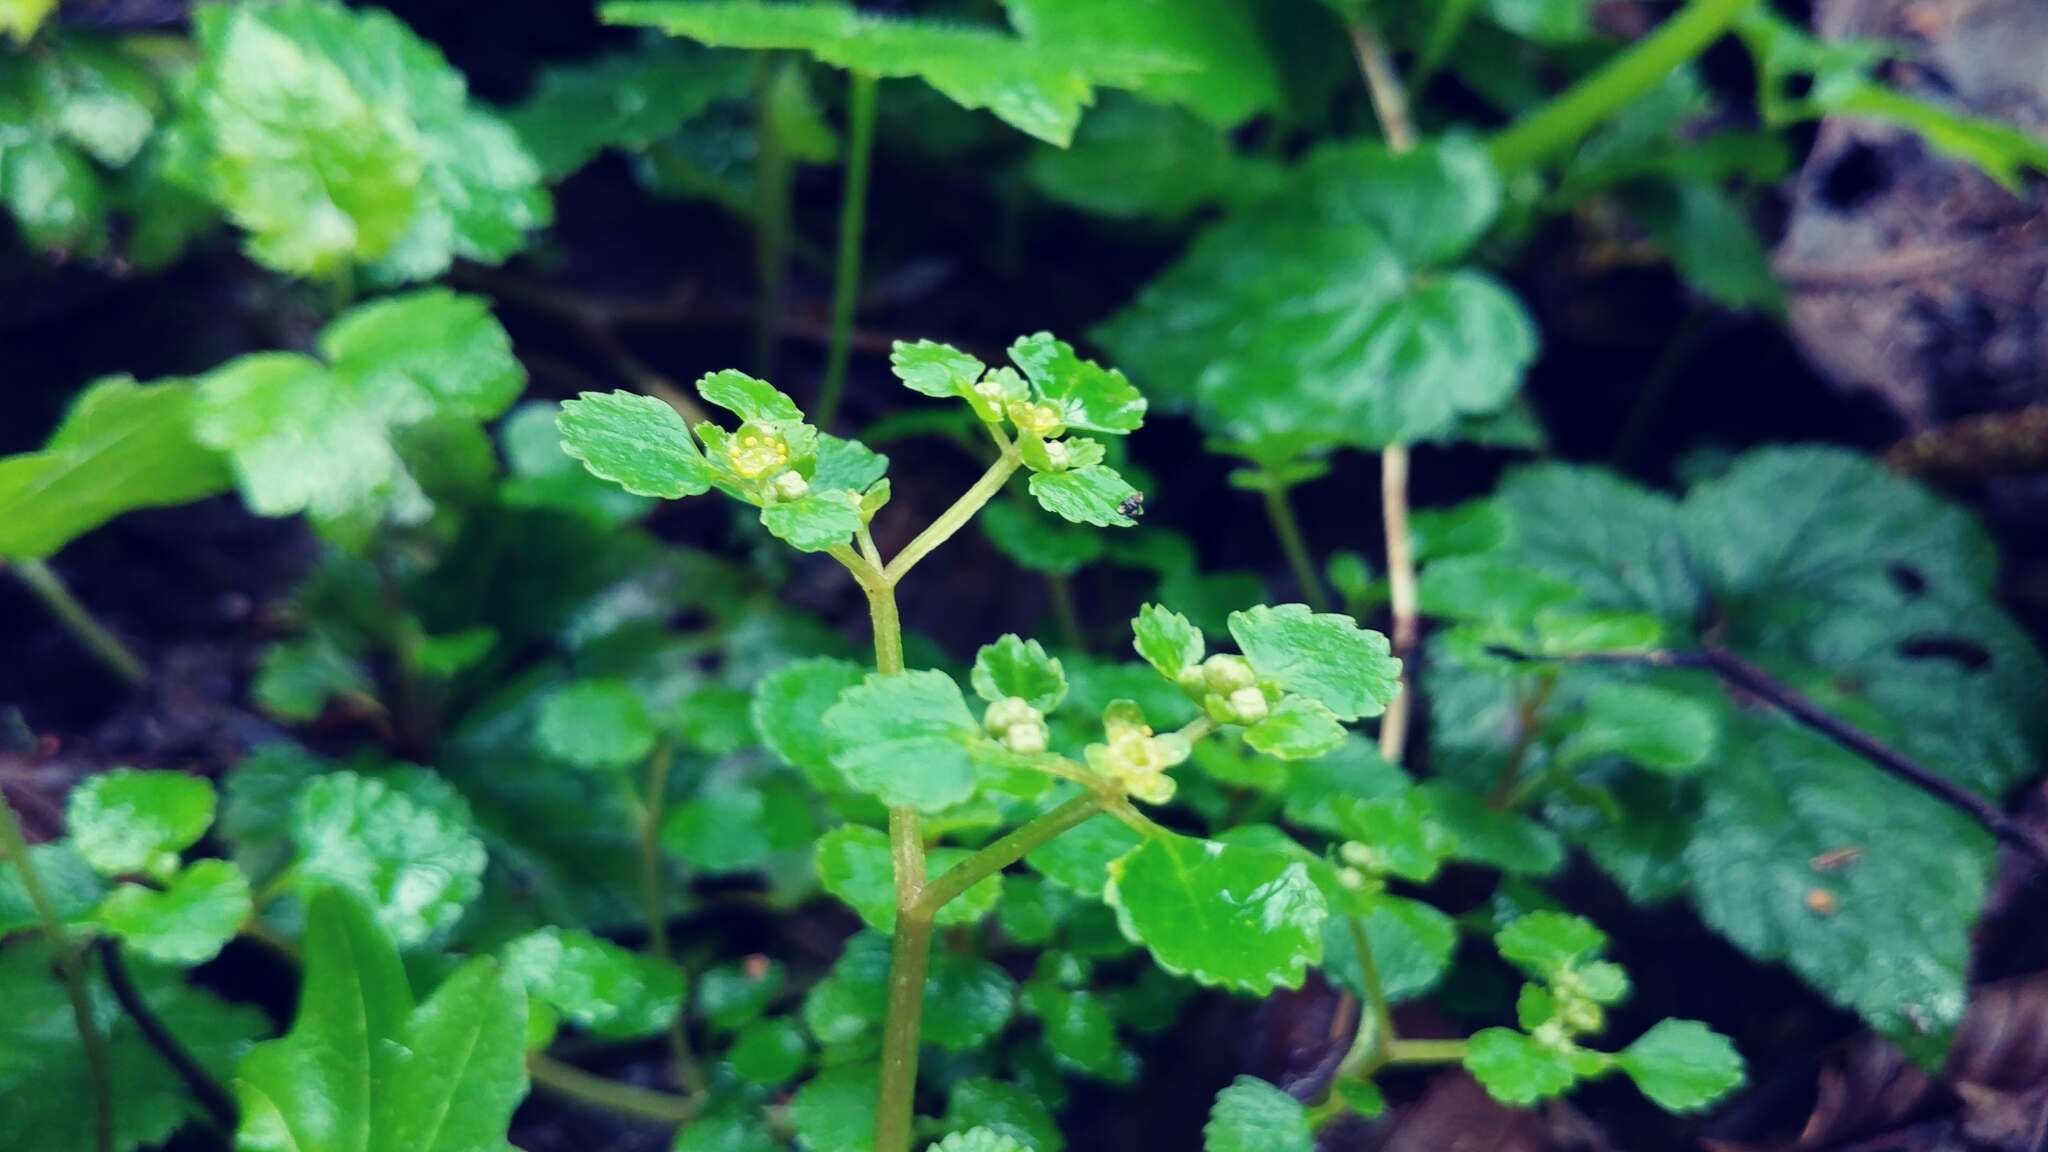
<point x="1094" y="494"/>
<point x="1013" y="666"/>
<point x="1167" y="640"/>
<point x="594" y="983"/>
<point x="789" y="711"/>
<point x="818" y="522"/>
<point x="904" y="740"/>
<point x="404" y="847"/>
<point x="1223" y="916"/>
<point x="1324" y="656"/>
<point x="186" y="923"/>
<point x="1297" y="728"/>
<point x="449" y="1080"/>
<point x="298" y="677"/>
<point x="1682" y="1065"/>
<point x="1253" y="1116"/>
<point x="596" y="724"/>
<point x="1005" y="1109"/>
<point x="636" y="442"/>
<point x="1515" y="1069"/>
<point x="424" y="354"/>
<point x="1088" y="396"/>
<point x="1659" y="730"/>
<point x="131" y="821"/>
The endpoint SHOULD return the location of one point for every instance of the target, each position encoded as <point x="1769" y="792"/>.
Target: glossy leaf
<point x="1324" y="656"/>
<point x="405" y="847"/>
<point x="129" y="821"/>
<point x="1682" y="1065"/>
<point x="1515" y="1069"/>
<point x="903" y="739"/>
<point x="594" y="983"/>
<point x="1227" y="917"/>
<point x="854" y="865"/>
<point x="1253" y="1116"/>
<point x="1013" y="666"/>
<point x="1095" y="494"/>
<point x="1227" y="72"/>
<point x="636" y="442"/>
<point x="789" y="711"/>
<point x="186" y="923"/>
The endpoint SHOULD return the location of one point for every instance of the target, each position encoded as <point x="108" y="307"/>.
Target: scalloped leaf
<point x="1225" y="916"/>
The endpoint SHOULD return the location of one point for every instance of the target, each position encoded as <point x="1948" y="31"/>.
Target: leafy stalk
<point x="853" y="211"/>
<point x="79" y="621"/>
<point x="98" y="1071"/>
<point x="1565" y="119"/>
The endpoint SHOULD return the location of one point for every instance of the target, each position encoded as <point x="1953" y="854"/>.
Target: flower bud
<point x="1192" y="681"/>
<point x="1026" y="739"/>
<point x="1056" y="453"/>
<point x="1010" y="712"/>
<point x="1041" y="420"/>
<point x="789" y="486"/>
<point x="1248" y="705"/>
<point x="1227" y="674"/>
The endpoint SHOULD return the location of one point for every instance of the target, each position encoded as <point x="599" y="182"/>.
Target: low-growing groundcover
<point x="579" y="791"/>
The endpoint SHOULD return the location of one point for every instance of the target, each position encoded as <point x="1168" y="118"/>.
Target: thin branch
<point x="572" y="1083"/>
<point x="105" y="647"/>
<point x="1740" y="673"/>
<point x="212" y="1095"/>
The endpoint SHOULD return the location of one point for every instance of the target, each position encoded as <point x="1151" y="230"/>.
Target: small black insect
<point x="1133" y="505"/>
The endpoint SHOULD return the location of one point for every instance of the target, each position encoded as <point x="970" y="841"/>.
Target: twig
<point x="211" y="1094"/>
<point x="37" y="577"/>
<point x="1740" y="673"/>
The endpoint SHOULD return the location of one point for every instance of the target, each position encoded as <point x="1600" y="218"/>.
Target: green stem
<point x="953" y="519"/>
<point x="1059" y="589"/>
<point x="14" y="845"/>
<point x="1565" y="119"/>
<point x="853" y="210"/>
<point x="1280" y="510"/>
<point x="1451" y="18"/>
<point x="1002" y="853"/>
<point x="1376" y="1019"/>
<point x="1426" y="1052"/>
<point x="771" y="221"/>
<point x="909" y="964"/>
<point x="653" y="892"/>
<point x="573" y="1083"/>
<point x="76" y="620"/>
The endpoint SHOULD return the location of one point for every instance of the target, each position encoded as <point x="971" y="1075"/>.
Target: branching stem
<point x="1002" y="853"/>
<point x="853" y="211"/>
<point x="955" y="518"/>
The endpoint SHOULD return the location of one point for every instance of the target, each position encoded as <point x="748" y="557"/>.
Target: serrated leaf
<point x="121" y="447"/>
<point x="854" y="864"/>
<point x="1088" y="396"/>
<point x="636" y="442"/>
<point x="1013" y="666"/>
<point x="818" y="522"/>
<point x="544" y="475"/>
<point x="789" y="712"/>
<point x="1548" y="944"/>
<point x="1079" y="860"/>
<point x="768" y="1053"/>
<point x="428" y="353"/>
<point x="1682" y="1065"/>
<point x="1228" y="70"/>
<point x="1411" y="944"/>
<point x="940" y="371"/>
<point x="1039" y="90"/>
<point x="1080" y="1030"/>
<point x="1297" y="728"/>
<point x="44" y="1077"/>
<point x="1515" y="1069"/>
<point x="903" y="739"/>
<point x="979" y="1140"/>
<point x="1253" y="1116"/>
<point x="835" y="1112"/>
<point x="846" y="465"/>
<point x="1005" y="1109"/>
<point x="1226" y="917"/>
<point x="613" y="992"/>
<point x="1324" y="656"/>
<point x="1038" y="542"/>
<point x="186" y="923"/>
<point x="129" y="821"/>
<point x="406" y="848"/>
<point x="968" y="1002"/>
<point x="1094" y="494"/>
<point x="1166" y="640"/>
<point x="596" y="724"/>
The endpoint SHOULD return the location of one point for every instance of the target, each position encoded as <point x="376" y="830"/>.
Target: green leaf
<point x="967" y="1002"/>
<point x="1324" y="656"/>
<point x="854" y="864"/>
<point x="625" y="100"/>
<point x="1039" y="90"/>
<point x="740" y="1129"/>
<point x="1079" y="1029"/>
<point x="1710" y="240"/>
<point x="1659" y="730"/>
<point x="405" y="847"/>
<point x="544" y="475"/>
<point x="1228" y="72"/>
<point x="596" y="724"/>
<point x="316" y="1088"/>
<point x="1682" y="1065"/>
<point x="636" y="442"/>
<point x="741" y="827"/>
<point x="613" y="992"/>
<point x="731" y="996"/>
<point x="20" y="18"/>
<point x="818" y="522"/>
<point x="903" y="739"/>
<point x="1088" y="396"/>
<point x="1321" y="288"/>
<point x="44" y="1077"/>
<point x="940" y="371"/>
<point x="122" y="446"/>
<point x="769" y="1053"/>
<point x="1508" y="841"/>
<point x="1297" y="728"/>
<point x="1092" y="494"/>
<point x="846" y="465"/>
<point x="1037" y="542"/>
<point x="1397" y="835"/>
<point x="340" y="138"/>
<point x="1166" y="640"/>
<point x="1544" y="21"/>
<point x="297" y="678"/>
<point x="1515" y="1069"/>
<point x="186" y="923"/>
<point x="1079" y="861"/>
<point x="1546" y="945"/>
<point x="427" y="353"/>
<point x="453" y="1075"/>
<point x="130" y="821"/>
<point x="1411" y="945"/>
<point x="1253" y="1116"/>
<point x="1223" y="916"/>
<point x="73" y="888"/>
<point x="1133" y="160"/>
<point x="789" y="712"/>
<point x="1005" y="1109"/>
<point x="835" y="1112"/>
<point x="1013" y="666"/>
